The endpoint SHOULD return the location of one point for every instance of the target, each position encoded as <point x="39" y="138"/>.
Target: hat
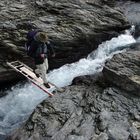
<point x="41" y="36"/>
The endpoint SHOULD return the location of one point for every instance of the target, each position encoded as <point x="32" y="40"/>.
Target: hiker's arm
<point x="27" y="44"/>
<point x="51" y="48"/>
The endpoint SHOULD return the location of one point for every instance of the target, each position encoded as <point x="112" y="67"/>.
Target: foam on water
<point x="94" y="62"/>
<point x="21" y="100"/>
<point x="18" y="104"/>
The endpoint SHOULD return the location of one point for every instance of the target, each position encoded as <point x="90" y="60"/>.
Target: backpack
<point x="30" y="38"/>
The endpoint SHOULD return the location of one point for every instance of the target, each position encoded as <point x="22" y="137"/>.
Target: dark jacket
<point x="41" y="48"/>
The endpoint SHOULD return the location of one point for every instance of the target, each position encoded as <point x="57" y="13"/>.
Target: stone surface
<point x="78" y="113"/>
<point x="124" y="70"/>
<point x="76" y="28"/>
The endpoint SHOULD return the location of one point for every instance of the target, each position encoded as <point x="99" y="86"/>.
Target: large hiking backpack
<point x="30" y="38"/>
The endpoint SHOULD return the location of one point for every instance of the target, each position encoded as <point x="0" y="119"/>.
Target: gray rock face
<point x="76" y="27"/>
<point x="95" y="111"/>
<point x="78" y="114"/>
<point x="124" y="70"/>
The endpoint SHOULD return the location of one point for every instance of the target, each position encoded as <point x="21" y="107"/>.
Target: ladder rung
<point x="14" y="62"/>
<point x="19" y="66"/>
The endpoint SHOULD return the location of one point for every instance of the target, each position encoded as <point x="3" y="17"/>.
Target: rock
<point x="74" y="137"/>
<point x="110" y="3"/>
<point x="87" y="79"/>
<point x="9" y="26"/>
<point x="137" y="31"/>
<point x="84" y="112"/>
<point x="131" y="10"/>
<point x="117" y="71"/>
<point x="75" y="27"/>
<point x="2" y="136"/>
<point x="18" y="6"/>
<point x="103" y="120"/>
<point x="134" y="132"/>
<point x="116" y="133"/>
<point x="102" y="136"/>
<point x="9" y="44"/>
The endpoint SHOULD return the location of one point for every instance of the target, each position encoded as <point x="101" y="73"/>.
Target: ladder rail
<point x="12" y="63"/>
<point x="27" y="76"/>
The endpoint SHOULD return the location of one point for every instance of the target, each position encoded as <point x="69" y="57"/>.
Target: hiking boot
<point x="37" y="75"/>
<point x="46" y="85"/>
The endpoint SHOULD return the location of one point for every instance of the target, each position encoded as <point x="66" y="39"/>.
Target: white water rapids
<point x="22" y="99"/>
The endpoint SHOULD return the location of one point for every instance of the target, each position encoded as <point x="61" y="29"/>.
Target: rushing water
<point x="22" y="99"/>
<point x="131" y="9"/>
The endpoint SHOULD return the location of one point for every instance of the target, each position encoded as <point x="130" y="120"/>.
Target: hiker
<point x="38" y="46"/>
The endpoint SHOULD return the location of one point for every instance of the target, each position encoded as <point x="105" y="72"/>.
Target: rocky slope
<point x="75" y="26"/>
<point x="99" y="107"/>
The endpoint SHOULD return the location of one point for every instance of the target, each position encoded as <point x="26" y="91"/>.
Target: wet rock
<point x="2" y="136"/>
<point x="137" y="31"/>
<point x="87" y="79"/>
<point x="124" y="71"/>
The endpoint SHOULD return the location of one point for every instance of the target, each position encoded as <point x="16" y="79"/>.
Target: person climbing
<point x="37" y="47"/>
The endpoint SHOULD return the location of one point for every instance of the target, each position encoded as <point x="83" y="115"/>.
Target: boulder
<point x="123" y="70"/>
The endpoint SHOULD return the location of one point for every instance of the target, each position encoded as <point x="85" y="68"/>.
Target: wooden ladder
<point x="29" y="74"/>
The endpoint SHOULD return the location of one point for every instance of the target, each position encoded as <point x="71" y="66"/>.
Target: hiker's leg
<point x="46" y="64"/>
<point x="43" y="72"/>
<point x="37" y="70"/>
<point x="41" y="69"/>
